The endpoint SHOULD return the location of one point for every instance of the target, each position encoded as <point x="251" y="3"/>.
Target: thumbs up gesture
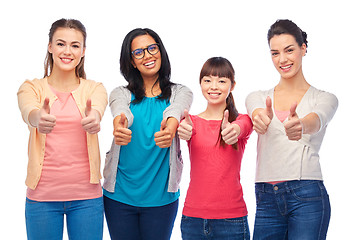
<point x="91" y="121"/>
<point x="185" y="127"/>
<point x="44" y="121"/>
<point x="262" y="119"/>
<point x="229" y="132"/>
<point x="164" y="137"/>
<point x="294" y="126"/>
<point x="122" y="135"/>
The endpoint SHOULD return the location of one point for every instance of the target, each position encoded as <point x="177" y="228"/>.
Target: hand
<point x="262" y="119"/>
<point x="229" y="132"/>
<point x="164" y="137"/>
<point x="185" y="127"/>
<point x="45" y="122"/>
<point x="294" y="126"/>
<point x="122" y="135"/>
<point x="91" y="121"/>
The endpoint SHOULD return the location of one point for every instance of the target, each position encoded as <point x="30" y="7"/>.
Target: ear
<point x="303" y="49"/>
<point x="133" y="63"/>
<point x="49" y="48"/>
<point x="233" y="86"/>
<point x="83" y="53"/>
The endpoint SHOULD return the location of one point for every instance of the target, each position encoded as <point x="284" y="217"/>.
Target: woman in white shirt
<point x="291" y="120"/>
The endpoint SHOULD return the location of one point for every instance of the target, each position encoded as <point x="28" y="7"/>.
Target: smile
<point x="66" y="60"/>
<point x="287" y="67"/>
<point x="148" y="64"/>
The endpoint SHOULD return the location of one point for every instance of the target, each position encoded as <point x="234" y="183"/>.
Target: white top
<point x="280" y="159"/>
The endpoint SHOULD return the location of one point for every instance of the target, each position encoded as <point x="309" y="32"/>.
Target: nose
<point x="146" y="54"/>
<point x="213" y="85"/>
<point x="283" y="58"/>
<point x="67" y="50"/>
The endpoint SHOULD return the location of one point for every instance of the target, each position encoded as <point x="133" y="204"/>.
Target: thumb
<point x="225" y="120"/>
<point x="293" y="110"/>
<point x="187" y="117"/>
<point x="122" y="120"/>
<point x="46" y="105"/>
<point x="269" y="110"/>
<point x="88" y="107"/>
<point x="163" y="125"/>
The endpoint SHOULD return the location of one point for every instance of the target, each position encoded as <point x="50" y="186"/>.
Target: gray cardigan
<point x="280" y="159"/>
<point x="119" y="101"/>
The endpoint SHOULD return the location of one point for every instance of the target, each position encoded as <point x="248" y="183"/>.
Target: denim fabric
<point x="84" y="219"/>
<point x="139" y="223"/>
<point x="294" y="210"/>
<point x="214" y="229"/>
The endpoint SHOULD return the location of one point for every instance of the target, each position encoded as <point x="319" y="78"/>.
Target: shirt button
<point x="276" y="188"/>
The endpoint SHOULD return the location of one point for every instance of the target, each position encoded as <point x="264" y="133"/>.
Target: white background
<point x="192" y="32"/>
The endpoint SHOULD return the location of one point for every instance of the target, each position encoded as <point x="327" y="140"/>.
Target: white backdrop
<point x="192" y="32"/>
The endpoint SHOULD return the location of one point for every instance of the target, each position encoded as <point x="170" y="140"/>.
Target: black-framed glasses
<point x="151" y="49"/>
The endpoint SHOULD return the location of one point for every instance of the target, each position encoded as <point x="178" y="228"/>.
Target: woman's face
<point x="287" y="55"/>
<point x="67" y="48"/>
<point x="149" y="65"/>
<point x="216" y="89"/>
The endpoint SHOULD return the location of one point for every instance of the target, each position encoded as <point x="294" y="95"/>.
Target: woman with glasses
<point x="143" y="167"/>
<point x="291" y="120"/>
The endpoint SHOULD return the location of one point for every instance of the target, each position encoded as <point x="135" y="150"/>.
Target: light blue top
<point x="143" y="169"/>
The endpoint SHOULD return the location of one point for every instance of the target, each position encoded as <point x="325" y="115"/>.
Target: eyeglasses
<point x="151" y="49"/>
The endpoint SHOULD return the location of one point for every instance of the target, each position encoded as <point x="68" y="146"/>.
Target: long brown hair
<point x="221" y="67"/>
<point x="65" y="23"/>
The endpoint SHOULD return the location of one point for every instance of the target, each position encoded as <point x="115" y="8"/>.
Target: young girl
<point x="143" y="168"/>
<point x="214" y="206"/>
<point x="290" y="119"/>
<point x="63" y="111"/>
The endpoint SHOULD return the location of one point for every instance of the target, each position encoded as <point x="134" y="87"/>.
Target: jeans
<point x="84" y="219"/>
<point x="139" y="223"/>
<point x="214" y="229"/>
<point x="294" y="210"/>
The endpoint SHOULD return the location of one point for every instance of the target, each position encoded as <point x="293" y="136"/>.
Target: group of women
<point x="143" y="168"/>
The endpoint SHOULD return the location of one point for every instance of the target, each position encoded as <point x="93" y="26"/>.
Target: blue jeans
<point x="294" y="210"/>
<point x="84" y="218"/>
<point x="139" y="223"/>
<point x="215" y="229"/>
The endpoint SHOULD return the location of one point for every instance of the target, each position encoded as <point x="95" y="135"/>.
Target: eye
<point x="60" y="44"/>
<point x="290" y="50"/>
<point x="76" y="46"/>
<point x="138" y="52"/>
<point x="274" y="54"/>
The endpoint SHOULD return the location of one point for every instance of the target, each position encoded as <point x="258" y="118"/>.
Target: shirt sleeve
<point x="181" y="99"/>
<point x="119" y="102"/>
<point x="28" y="99"/>
<point x="254" y="101"/>
<point x="325" y="107"/>
<point x="99" y="98"/>
<point x="245" y="124"/>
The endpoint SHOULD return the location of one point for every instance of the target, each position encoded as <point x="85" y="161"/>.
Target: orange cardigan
<point x="31" y="96"/>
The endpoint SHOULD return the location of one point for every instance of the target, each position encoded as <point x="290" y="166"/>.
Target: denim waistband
<point x="285" y="186"/>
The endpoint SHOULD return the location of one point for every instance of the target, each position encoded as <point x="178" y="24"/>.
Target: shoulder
<point x="321" y="95"/>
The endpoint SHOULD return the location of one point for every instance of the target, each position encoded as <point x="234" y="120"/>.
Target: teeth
<point x="66" y="60"/>
<point x="149" y="63"/>
<point x="286" y="67"/>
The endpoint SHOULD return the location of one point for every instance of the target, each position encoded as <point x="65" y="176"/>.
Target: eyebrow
<point x="291" y="45"/>
<point x="61" y="40"/>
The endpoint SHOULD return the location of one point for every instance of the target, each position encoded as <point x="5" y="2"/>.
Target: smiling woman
<point x="63" y="111"/>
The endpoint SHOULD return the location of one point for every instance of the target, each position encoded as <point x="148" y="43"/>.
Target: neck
<point x="63" y="81"/>
<point x="214" y="112"/>
<point x="296" y="82"/>
<point x="151" y="90"/>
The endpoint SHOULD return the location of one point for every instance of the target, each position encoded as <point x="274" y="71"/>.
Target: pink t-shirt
<point x="215" y="191"/>
<point x="65" y="175"/>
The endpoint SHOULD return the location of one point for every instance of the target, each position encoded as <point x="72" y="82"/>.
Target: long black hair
<point x="133" y="76"/>
<point x="221" y="67"/>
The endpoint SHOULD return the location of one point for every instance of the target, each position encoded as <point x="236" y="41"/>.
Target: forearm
<point x="310" y="123"/>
